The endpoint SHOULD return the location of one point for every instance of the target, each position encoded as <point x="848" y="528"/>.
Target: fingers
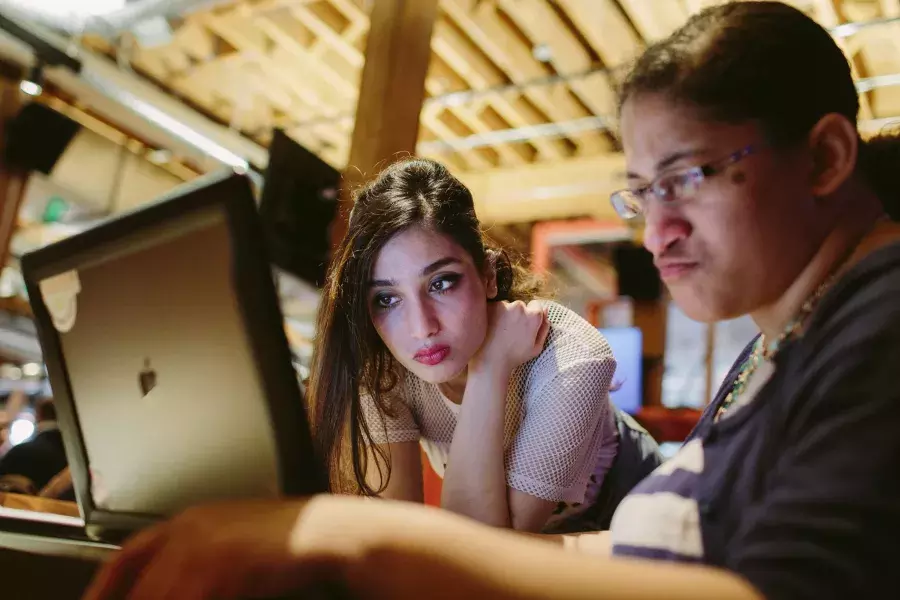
<point x="171" y="574"/>
<point x="117" y="576"/>
<point x="543" y="331"/>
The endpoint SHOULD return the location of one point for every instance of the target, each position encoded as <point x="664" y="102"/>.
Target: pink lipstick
<point x="432" y="355"/>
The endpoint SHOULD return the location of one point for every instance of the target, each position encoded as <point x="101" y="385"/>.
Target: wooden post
<point x="398" y="51"/>
<point x="12" y="181"/>
<point x="651" y="318"/>
<point x="710" y="362"/>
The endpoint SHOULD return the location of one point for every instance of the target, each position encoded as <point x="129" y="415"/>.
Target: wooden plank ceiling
<point x="514" y="87"/>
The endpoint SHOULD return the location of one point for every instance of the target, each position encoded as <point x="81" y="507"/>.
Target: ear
<point x="490" y="277"/>
<point x="834" y="143"/>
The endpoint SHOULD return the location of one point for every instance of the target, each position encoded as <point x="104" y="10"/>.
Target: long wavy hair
<point x="349" y="358"/>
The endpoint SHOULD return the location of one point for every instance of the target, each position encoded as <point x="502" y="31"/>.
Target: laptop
<point x="169" y="364"/>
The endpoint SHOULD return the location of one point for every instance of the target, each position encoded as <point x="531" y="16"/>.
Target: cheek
<point x="465" y="315"/>
<point x="728" y="225"/>
<point x="387" y="326"/>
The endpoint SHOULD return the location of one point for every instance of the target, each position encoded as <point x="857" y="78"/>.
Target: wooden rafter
<point x="505" y="77"/>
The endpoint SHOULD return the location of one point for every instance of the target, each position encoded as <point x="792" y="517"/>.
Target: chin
<point x="699" y="307"/>
<point x="442" y="373"/>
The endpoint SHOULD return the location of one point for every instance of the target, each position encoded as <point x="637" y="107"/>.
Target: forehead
<point x="654" y="128"/>
<point x="415" y="248"/>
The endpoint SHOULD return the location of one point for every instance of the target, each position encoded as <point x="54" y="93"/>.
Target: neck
<point x="455" y="388"/>
<point x="838" y="251"/>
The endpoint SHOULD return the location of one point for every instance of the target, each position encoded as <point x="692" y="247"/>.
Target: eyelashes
<point x="439" y="285"/>
<point x="444" y="283"/>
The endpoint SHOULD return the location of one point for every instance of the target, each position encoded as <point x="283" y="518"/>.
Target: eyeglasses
<point x="671" y="187"/>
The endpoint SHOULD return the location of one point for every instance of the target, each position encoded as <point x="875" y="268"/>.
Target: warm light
<point x="20" y="431"/>
<point x="31" y="369"/>
<point x="12" y="372"/>
<point x="159" y="157"/>
<point x="31" y="88"/>
<point x="63" y="8"/>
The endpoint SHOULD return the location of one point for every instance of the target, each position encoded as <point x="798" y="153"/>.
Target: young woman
<point x="760" y="198"/>
<point x="427" y="334"/>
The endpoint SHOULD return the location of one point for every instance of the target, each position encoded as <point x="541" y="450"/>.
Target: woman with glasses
<point x="759" y="197"/>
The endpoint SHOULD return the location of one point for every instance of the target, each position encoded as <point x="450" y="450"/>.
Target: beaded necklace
<point x="767" y="351"/>
<point x="763" y="351"/>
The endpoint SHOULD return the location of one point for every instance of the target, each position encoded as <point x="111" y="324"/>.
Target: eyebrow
<point x="670" y="160"/>
<point x="436" y="265"/>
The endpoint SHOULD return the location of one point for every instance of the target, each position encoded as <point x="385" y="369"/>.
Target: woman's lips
<point x="432" y="356"/>
<point x="671" y="271"/>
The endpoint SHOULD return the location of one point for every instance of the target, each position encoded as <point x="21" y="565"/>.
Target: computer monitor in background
<point x="300" y="198"/>
<point x="627" y="346"/>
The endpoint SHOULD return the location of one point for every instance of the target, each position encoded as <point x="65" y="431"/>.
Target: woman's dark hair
<point x="766" y="62"/>
<point x="349" y="357"/>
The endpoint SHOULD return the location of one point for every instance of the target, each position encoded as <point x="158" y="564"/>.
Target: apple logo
<point x="147" y="378"/>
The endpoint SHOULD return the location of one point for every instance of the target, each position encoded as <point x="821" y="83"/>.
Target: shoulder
<point x="576" y="353"/>
<point x="572" y="339"/>
<point x="853" y="338"/>
<point x="861" y="313"/>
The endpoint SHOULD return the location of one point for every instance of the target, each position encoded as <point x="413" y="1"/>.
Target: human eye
<point x="444" y="283"/>
<point x="384" y="301"/>
<point x="678" y="185"/>
<point x="666" y="188"/>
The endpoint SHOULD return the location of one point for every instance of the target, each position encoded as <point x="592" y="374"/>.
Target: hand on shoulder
<point x="516" y="334"/>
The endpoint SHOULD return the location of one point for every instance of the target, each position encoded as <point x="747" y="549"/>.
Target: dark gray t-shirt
<point x="798" y="491"/>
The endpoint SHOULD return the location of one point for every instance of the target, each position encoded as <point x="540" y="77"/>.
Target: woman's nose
<point x="663" y="229"/>
<point x="423" y="320"/>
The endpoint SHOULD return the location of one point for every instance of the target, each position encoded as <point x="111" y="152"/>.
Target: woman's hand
<point x="516" y="334"/>
<point x="224" y="551"/>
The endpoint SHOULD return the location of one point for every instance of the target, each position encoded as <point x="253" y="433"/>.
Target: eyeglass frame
<point x="691" y="175"/>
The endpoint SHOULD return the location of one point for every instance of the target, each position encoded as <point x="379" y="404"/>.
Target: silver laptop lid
<point x="168" y="360"/>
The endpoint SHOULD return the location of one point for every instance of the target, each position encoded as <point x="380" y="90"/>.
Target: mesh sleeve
<point x="555" y="450"/>
<point x="385" y="429"/>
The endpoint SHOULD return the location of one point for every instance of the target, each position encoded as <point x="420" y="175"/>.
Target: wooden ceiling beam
<point x="315" y="95"/>
<point x="545" y="191"/>
<point x="330" y="85"/>
<point x="430" y="118"/>
<point x="482" y="25"/>
<point x="116" y="136"/>
<point x="827" y="13"/>
<point x="328" y="35"/>
<point x="468" y="66"/>
<point x="13" y="180"/>
<point x="605" y="27"/>
<point x="654" y="19"/>
<point x="542" y="24"/>
<point x="889" y="8"/>
<point x="257" y="48"/>
<point x="468" y="117"/>
<point x="392" y="90"/>
<point x="452" y="47"/>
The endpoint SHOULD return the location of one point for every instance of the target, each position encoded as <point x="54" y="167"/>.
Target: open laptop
<point x="170" y="368"/>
